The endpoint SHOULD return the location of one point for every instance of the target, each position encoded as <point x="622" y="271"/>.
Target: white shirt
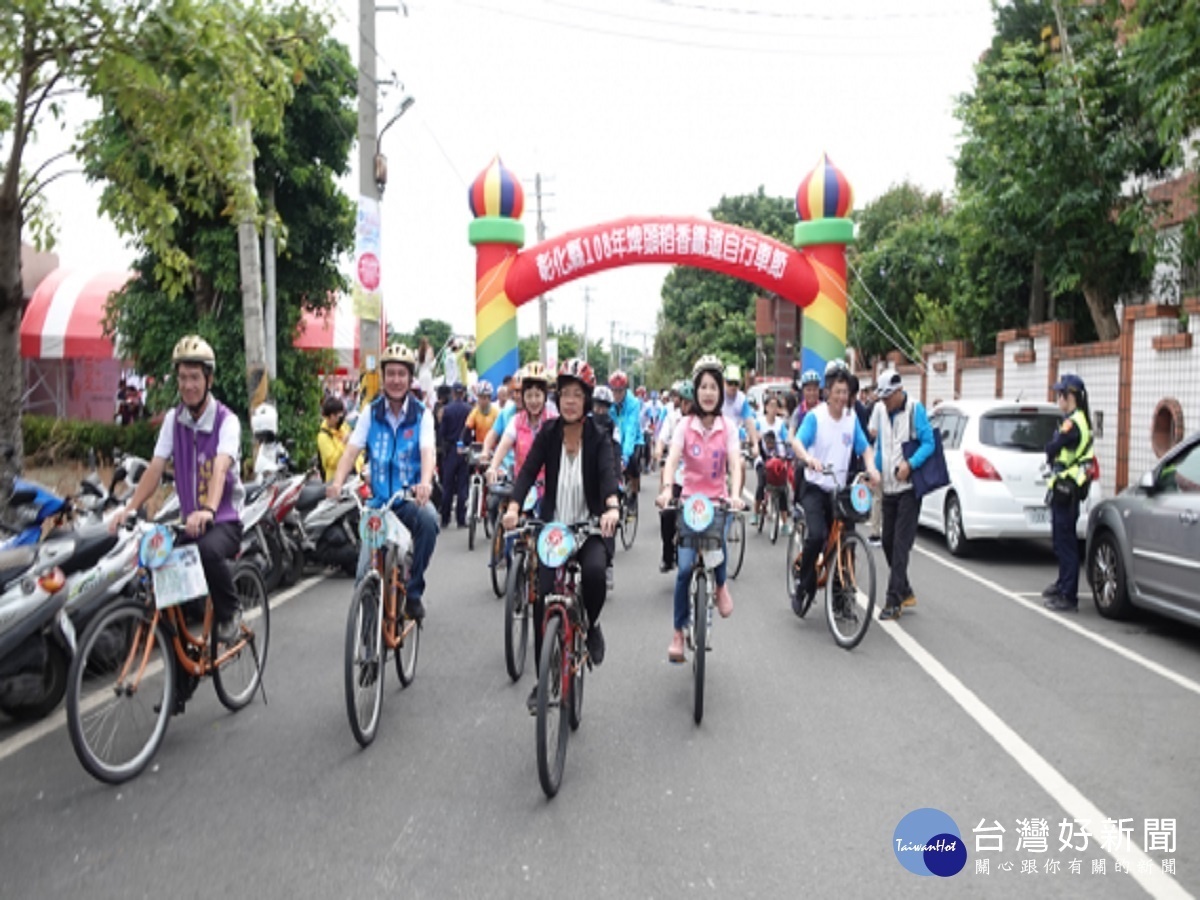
<point x="834" y="447"/>
<point x="362" y="428"/>
<point x="674" y="417"/>
<point x="570" y="504"/>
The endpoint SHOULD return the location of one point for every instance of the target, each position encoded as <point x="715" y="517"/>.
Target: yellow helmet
<point x="194" y="349"/>
<point x="535" y="373"/>
<point x="398" y="353"/>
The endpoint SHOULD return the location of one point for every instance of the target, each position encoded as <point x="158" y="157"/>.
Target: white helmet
<point x="264" y="419"/>
<point x="603" y="394"/>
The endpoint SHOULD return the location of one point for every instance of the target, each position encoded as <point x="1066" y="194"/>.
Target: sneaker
<point x="595" y="644"/>
<point x="664" y="567"/>
<point x="889" y="613"/>
<point x="415" y="609"/>
<point x="798" y="603"/>
<point x="675" y="652"/>
<point x="874" y="540"/>
<point x="1062" y="604"/>
<point x="787" y="528"/>
<point x="531" y="701"/>
<point x="229" y="631"/>
<point x="724" y="601"/>
<point x="754" y="520"/>
<point x="909" y="602"/>
<point x="1051" y="591"/>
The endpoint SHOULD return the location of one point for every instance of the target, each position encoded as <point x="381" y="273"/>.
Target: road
<point x="978" y="704"/>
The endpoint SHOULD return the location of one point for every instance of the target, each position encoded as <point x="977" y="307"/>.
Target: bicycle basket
<point x="700" y="522"/>
<point x="853" y="503"/>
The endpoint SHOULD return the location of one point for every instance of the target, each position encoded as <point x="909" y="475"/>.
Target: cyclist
<point x="737" y="409"/>
<point x="575" y="454"/>
<point x="602" y="401"/>
<point x="706" y="444"/>
<point x="627" y="414"/>
<point x="398" y="434"/>
<point x="525" y="425"/>
<point x="483" y="416"/>
<point x="684" y="395"/>
<point x="204" y="438"/>
<point x="774" y="452"/>
<point x="515" y="404"/>
<point x="829" y="436"/>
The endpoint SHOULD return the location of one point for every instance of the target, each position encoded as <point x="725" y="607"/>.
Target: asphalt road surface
<point x="978" y="704"/>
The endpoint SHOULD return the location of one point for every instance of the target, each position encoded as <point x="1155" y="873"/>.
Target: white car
<point x="995" y="450"/>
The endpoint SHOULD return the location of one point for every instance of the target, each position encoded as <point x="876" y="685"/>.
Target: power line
<point x="817" y="16"/>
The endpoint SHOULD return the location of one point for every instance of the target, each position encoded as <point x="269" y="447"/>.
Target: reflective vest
<point x="1070" y="462"/>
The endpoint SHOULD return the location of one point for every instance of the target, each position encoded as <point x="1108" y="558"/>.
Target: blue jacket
<point x="395" y="456"/>
<point x="627" y="416"/>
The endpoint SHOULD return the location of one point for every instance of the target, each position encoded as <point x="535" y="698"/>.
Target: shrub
<point x="49" y="440"/>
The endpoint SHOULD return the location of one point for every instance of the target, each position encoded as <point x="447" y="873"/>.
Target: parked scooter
<point x="37" y="639"/>
<point x="328" y="529"/>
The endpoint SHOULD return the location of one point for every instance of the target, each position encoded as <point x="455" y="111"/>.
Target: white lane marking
<point x="1059" y="618"/>
<point x="1156" y="882"/>
<point x="27" y="736"/>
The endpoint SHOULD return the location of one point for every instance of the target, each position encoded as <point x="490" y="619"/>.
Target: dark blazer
<point x="599" y="472"/>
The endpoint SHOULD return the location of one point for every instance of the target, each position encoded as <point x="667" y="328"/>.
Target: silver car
<point x="1143" y="546"/>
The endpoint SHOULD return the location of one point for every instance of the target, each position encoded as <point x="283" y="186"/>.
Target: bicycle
<point x="839" y="566"/>
<point x="519" y="596"/>
<point x="379" y="620"/>
<point x="628" y="522"/>
<point x="701" y="527"/>
<point x="138" y="661"/>
<point x="476" y="495"/>
<point x="736" y="541"/>
<point x="564" y="648"/>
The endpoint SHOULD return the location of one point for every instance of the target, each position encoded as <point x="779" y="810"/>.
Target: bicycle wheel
<point x="483" y="511"/>
<point x="795" y="555"/>
<point x="736" y="544"/>
<point x="773" y="515"/>
<point x="238" y="677"/>
<point x="406" y="653"/>
<point x="577" y="680"/>
<point x="472" y="514"/>
<point x="499" y="563"/>
<point x="120" y="692"/>
<point x="552" y="726"/>
<point x="516" y="621"/>
<point x="364" y="658"/>
<point x="629" y="521"/>
<point x="850" y="582"/>
<point x="699" y="640"/>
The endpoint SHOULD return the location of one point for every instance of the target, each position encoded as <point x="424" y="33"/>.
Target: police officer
<point x="1068" y="453"/>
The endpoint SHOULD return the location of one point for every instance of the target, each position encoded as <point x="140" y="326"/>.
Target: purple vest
<point x="195" y="452"/>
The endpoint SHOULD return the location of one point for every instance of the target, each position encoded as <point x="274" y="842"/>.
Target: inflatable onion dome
<point x="824" y="193"/>
<point x="496" y="192"/>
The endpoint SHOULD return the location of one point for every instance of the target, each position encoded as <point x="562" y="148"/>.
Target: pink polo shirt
<point x="705" y="455"/>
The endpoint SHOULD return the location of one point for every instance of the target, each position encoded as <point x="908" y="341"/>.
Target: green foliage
<point x="435" y="331"/>
<point x="49" y="440"/>
<point x="570" y="343"/>
<point x="706" y="312"/>
<point x="300" y="164"/>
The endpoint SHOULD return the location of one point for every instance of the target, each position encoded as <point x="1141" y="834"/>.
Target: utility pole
<point x="269" y="314"/>
<point x="250" y="264"/>
<point x="612" y="346"/>
<point x="541" y="236"/>
<point x="368" y="331"/>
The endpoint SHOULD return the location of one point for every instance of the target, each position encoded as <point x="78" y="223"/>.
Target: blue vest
<point x="395" y="456"/>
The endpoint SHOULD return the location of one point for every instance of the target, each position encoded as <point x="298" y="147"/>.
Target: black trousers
<point x="1066" y="547"/>
<point x="818" y="514"/>
<point x="593" y="560"/>
<point x="899" y="532"/>
<point x="667" y="519"/>
<point x="218" y="545"/>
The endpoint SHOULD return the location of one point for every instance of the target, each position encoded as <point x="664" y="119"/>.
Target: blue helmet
<point x="1070" y="383"/>
<point x="810" y="377"/>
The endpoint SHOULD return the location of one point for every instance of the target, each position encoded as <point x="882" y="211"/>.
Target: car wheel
<point x="1106" y="572"/>
<point x="956" y="538"/>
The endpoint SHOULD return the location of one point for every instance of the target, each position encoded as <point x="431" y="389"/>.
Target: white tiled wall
<point x="1156" y="376"/>
<point x="1026" y="381"/>
<point x="978" y="384"/>
<point x="940" y="384"/>
<point x="1101" y="376"/>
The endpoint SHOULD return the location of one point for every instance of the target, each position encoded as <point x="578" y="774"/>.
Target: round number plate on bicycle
<point x="156" y="546"/>
<point x="373" y="530"/>
<point x="860" y="498"/>
<point x="698" y="512"/>
<point x="555" y="545"/>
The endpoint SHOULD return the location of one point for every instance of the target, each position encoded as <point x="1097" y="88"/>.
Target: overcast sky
<point x="627" y="107"/>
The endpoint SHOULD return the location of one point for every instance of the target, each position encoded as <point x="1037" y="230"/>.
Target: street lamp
<point x="380" y="159"/>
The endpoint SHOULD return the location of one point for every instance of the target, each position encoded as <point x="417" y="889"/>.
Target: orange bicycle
<point x="845" y="568"/>
<point x="138" y="661"/>
<point x="379" y="620"/>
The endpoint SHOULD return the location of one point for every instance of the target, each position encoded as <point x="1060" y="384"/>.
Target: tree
<point x="299" y="165"/>
<point x="169" y="68"/>
<point x="706" y="312"/>
<point x="570" y="344"/>
<point x="1054" y="129"/>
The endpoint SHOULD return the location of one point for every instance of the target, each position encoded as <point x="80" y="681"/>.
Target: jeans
<point x="422" y="523"/>
<point x="899" y="532"/>
<point x="687" y="562"/>
<point x="593" y="560"/>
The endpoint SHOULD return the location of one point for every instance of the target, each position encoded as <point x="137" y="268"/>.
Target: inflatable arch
<point x="812" y="274"/>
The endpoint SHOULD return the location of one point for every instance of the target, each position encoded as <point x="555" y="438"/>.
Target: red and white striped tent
<point x="335" y="329"/>
<point x="71" y="367"/>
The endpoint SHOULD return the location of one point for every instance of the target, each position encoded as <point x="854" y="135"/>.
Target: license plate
<point x="1037" y="515"/>
<point x="180" y="578"/>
